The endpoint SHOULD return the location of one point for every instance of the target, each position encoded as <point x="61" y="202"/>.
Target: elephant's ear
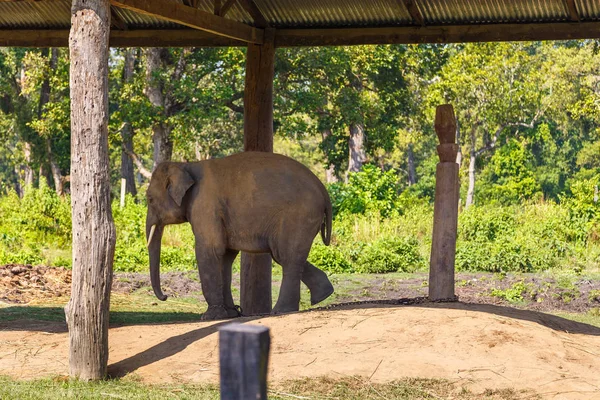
<point x="179" y="182"/>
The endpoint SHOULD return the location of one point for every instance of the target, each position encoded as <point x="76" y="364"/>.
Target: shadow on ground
<point x="52" y="320"/>
<point x="168" y="348"/>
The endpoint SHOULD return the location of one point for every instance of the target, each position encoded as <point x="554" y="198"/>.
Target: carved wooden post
<point x="93" y="226"/>
<point x="244" y="359"/>
<point x="445" y="216"/>
<point x="255" y="275"/>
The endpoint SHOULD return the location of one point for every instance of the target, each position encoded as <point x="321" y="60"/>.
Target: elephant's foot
<point x="219" y="312"/>
<point x="321" y="292"/>
<point x="282" y="309"/>
<point x="318" y="283"/>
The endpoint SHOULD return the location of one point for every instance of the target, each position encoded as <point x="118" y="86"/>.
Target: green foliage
<point x="524" y="238"/>
<point x="369" y="191"/>
<point x="514" y="294"/>
<point x="41" y="216"/>
<point x="330" y="259"/>
<point x="21" y="256"/>
<point x="509" y="177"/>
<point x="394" y="254"/>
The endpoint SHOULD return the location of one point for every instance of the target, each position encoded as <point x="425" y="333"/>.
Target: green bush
<point x="390" y="255"/>
<point x="24" y="256"/>
<point x="514" y="294"/>
<point x="330" y="259"/>
<point x="41" y="216"/>
<point x="370" y="190"/>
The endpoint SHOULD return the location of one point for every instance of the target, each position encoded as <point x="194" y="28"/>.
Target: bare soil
<point x="478" y="343"/>
<point x="474" y="346"/>
<point x="25" y="283"/>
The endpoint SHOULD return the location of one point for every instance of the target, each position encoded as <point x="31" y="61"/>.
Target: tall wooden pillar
<point x="445" y="215"/>
<point x="258" y="136"/>
<point x="93" y="226"/>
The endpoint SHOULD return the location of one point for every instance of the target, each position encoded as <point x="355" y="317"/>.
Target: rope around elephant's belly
<point x="394" y="302"/>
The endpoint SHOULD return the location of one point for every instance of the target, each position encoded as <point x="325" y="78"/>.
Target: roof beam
<point x="228" y="4"/>
<point x="414" y="12"/>
<point x="129" y="38"/>
<point x="437" y="34"/>
<point x="320" y="37"/>
<point x="193" y="18"/>
<point x="573" y="14"/>
<point x="259" y="19"/>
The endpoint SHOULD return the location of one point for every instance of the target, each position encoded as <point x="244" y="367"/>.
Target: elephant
<point x="252" y="202"/>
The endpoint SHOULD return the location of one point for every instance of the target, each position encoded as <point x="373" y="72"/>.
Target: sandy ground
<point x="477" y="346"/>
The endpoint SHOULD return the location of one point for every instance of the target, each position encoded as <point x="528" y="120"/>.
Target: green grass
<point x="348" y="388"/>
<point x="592" y="317"/>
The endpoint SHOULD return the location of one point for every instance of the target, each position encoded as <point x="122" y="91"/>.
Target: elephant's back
<point x="258" y="177"/>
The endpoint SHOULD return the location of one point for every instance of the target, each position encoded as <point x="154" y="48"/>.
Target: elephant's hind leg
<point x="289" y="293"/>
<point x="317" y="282"/>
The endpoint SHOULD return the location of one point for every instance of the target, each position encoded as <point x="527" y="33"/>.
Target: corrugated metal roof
<point x="588" y="9"/>
<point x="141" y="21"/>
<point x="437" y="12"/>
<point x="338" y="13"/>
<point x="39" y="14"/>
<point x="53" y="14"/>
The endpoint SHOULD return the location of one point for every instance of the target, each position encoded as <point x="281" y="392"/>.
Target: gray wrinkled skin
<point x="252" y="202"/>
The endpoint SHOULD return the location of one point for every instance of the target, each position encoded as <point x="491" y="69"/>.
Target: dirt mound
<point x="475" y="346"/>
<point x="24" y="283"/>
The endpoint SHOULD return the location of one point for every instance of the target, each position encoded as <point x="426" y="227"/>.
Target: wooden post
<point x="244" y="358"/>
<point x="255" y="275"/>
<point x="93" y="226"/>
<point x="445" y="215"/>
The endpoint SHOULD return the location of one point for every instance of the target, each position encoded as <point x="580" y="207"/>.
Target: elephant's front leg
<point x="210" y="266"/>
<point x="228" y="260"/>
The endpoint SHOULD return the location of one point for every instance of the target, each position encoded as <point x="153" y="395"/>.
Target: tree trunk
<point x="93" y="225"/>
<point x="127" y="172"/>
<point x="161" y="133"/>
<point x="330" y="175"/>
<point x="356" y="146"/>
<point x="44" y="99"/>
<point x="412" y="174"/>
<point x="471" y="189"/>
<point x="18" y="187"/>
<point x="163" y="146"/>
<point x="56" y="173"/>
<point x="459" y="155"/>
<point x="28" y="178"/>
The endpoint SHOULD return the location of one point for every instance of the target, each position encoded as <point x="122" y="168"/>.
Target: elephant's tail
<point x="326" y="226"/>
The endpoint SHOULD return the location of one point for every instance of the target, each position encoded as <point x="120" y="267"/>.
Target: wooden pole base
<point x="445" y="222"/>
<point x="255" y="284"/>
<point x="255" y="273"/>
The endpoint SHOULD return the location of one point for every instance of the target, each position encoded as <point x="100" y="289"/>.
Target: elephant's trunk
<point x="154" y="234"/>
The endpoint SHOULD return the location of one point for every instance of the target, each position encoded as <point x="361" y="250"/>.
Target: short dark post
<point x="244" y="357"/>
<point x="445" y="215"/>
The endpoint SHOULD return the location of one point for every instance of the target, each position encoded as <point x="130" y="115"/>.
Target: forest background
<point x="360" y="117"/>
